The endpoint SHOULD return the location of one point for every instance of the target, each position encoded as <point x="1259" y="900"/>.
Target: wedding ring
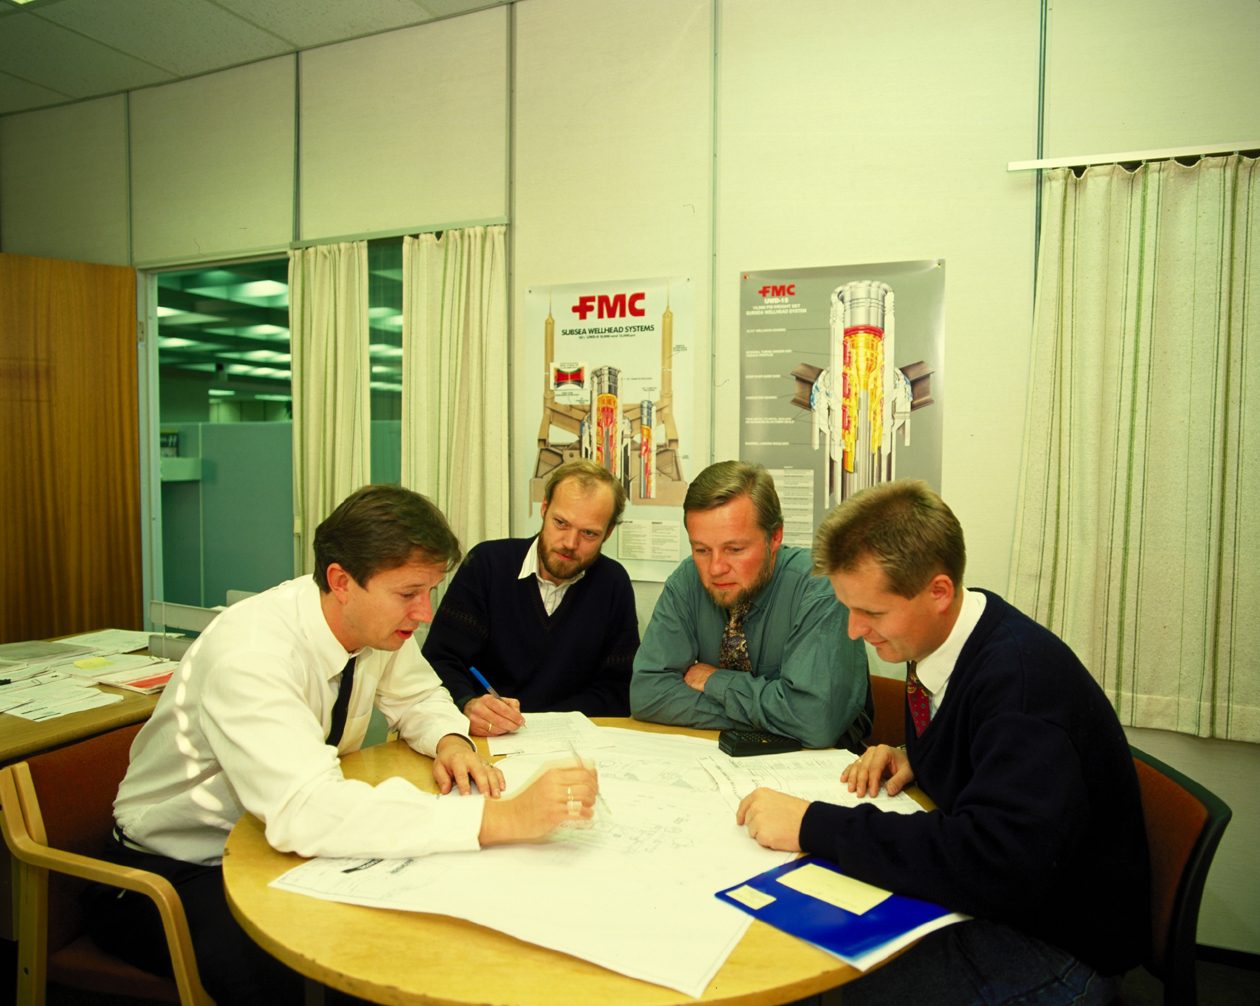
<point x="489" y="728"/>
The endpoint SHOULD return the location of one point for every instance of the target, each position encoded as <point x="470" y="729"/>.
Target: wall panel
<point x="1136" y="75"/>
<point x="212" y="165"/>
<point x="406" y="129"/>
<point x="63" y="182"/>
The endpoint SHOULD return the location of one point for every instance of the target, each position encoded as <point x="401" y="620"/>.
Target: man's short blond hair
<point x="724" y="481"/>
<point x="904" y="526"/>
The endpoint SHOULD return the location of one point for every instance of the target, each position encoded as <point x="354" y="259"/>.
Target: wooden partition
<point x="69" y="466"/>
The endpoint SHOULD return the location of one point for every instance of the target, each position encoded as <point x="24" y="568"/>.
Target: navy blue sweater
<point x="1039" y="821"/>
<point x="579" y="658"/>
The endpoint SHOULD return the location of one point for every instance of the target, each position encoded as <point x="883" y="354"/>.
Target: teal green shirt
<point x="808" y="680"/>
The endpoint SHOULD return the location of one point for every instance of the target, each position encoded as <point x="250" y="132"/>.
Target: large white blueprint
<point x="633" y="893"/>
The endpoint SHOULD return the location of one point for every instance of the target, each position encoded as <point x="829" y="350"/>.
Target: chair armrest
<point x="16" y="801"/>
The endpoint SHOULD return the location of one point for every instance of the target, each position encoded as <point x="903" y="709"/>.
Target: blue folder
<point x="827" y="926"/>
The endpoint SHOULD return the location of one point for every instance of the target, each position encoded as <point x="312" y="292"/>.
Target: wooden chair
<point x="1184" y="824"/>
<point x="889" y="695"/>
<point x="56" y="813"/>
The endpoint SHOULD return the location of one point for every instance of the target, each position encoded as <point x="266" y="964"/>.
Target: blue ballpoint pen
<point x="484" y="683"/>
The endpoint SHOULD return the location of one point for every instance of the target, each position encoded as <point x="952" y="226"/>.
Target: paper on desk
<point x="810" y="775"/>
<point x="657" y="854"/>
<point x="653" y="759"/>
<point x="545" y="733"/>
<point x="40" y="652"/>
<point x="108" y="641"/>
<point x="51" y="695"/>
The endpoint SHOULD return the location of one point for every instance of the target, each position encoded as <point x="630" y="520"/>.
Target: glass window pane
<point x="225" y="411"/>
<point x="385" y="314"/>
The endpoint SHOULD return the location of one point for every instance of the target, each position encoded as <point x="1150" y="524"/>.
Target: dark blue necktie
<point x="342" y="704"/>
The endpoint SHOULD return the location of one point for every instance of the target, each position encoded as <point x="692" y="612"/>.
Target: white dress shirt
<point x="934" y="669"/>
<point x="241" y="727"/>
<point x="552" y="593"/>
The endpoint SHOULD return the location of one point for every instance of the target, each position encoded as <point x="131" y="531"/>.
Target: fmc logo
<point x="786" y="290"/>
<point x="619" y="305"/>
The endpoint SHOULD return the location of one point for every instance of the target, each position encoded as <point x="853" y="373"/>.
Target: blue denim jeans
<point x="982" y="962"/>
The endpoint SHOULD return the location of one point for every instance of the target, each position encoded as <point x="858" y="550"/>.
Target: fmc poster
<point x="614" y="384"/>
<point x="841" y="380"/>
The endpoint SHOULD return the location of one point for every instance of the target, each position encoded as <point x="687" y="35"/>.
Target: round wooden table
<point x="410" y="957"/>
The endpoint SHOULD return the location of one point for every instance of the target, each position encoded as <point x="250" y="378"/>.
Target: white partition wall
<point x="1134" y="75"/>
<point x="406" y="130"/>
<point x="63" y="182"/>
<point x="212" y="165"/>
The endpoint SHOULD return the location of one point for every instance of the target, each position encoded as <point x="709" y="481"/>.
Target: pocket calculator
<point x="738" y="743"/>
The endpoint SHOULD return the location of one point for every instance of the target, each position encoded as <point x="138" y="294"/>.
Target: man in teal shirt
<point x="743" y="634"/>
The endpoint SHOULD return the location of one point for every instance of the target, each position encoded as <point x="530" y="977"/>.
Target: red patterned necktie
<point x="733" y="653"/>
<point x="917" y="696"/>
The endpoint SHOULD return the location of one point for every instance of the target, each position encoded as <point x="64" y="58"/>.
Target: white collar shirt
<point x="552" y="593"/>
<point x="242" y="727"/>
<point x="935" y="669"/>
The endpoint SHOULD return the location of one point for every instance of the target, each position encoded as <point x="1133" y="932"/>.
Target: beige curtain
<point x="328" y="317"/>
<point x="1136" y="536"/>
<point x="455" y="380"/>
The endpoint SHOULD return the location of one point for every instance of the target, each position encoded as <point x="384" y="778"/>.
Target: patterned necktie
<point x="733" y="653"/>
<point x="917" y="696"/>
<point x="342" y="705"/>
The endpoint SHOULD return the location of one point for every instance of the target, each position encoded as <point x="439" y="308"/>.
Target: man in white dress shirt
<point x="257" y="715"/>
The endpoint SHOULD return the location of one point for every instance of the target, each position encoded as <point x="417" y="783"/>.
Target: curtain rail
<point x="1082" y="160"/>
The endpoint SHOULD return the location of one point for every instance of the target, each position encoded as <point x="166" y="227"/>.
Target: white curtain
<point x="1137" y="539"/>
<point x="328" y="320"/>
<point x="455" y="377"/>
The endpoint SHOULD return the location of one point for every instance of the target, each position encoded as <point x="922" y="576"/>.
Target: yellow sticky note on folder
<point x="834" y="888"/>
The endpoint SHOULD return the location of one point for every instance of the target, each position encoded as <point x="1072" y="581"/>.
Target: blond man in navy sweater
<point x="1038" y="830"/>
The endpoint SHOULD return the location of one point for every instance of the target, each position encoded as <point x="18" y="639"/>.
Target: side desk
<point x="412" y="958"/>
<point x="21" y="738"/>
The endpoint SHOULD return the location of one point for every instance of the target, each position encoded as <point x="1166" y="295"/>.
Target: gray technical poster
<point x="841" y="380"/>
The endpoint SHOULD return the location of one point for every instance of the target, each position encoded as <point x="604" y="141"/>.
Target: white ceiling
<point x="57" y="51"/>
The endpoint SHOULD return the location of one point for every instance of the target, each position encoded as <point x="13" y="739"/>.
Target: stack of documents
<point x="42" y="680"/>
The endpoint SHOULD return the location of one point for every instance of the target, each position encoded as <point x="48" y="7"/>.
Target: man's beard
<point x="748" y="593"/>
<point x="545" y="557"/>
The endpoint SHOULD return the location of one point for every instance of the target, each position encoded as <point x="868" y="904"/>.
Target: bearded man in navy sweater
<point x="1038" y="830"/>
<point x="548" y="621"/>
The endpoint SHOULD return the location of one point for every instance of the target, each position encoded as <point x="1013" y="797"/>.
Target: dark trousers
<point x="982" y="962"/>
<point x="234" y="969"/>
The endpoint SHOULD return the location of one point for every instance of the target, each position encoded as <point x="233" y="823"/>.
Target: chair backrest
<point x="1184" y="824"/>
<point x="76" y="786"/>
<point x="889" y="726"/>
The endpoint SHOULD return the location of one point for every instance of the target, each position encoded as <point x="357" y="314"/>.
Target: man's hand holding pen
<point x="491" y="714"/>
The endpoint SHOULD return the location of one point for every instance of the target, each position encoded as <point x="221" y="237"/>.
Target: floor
<point x="1219" y="985"/>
